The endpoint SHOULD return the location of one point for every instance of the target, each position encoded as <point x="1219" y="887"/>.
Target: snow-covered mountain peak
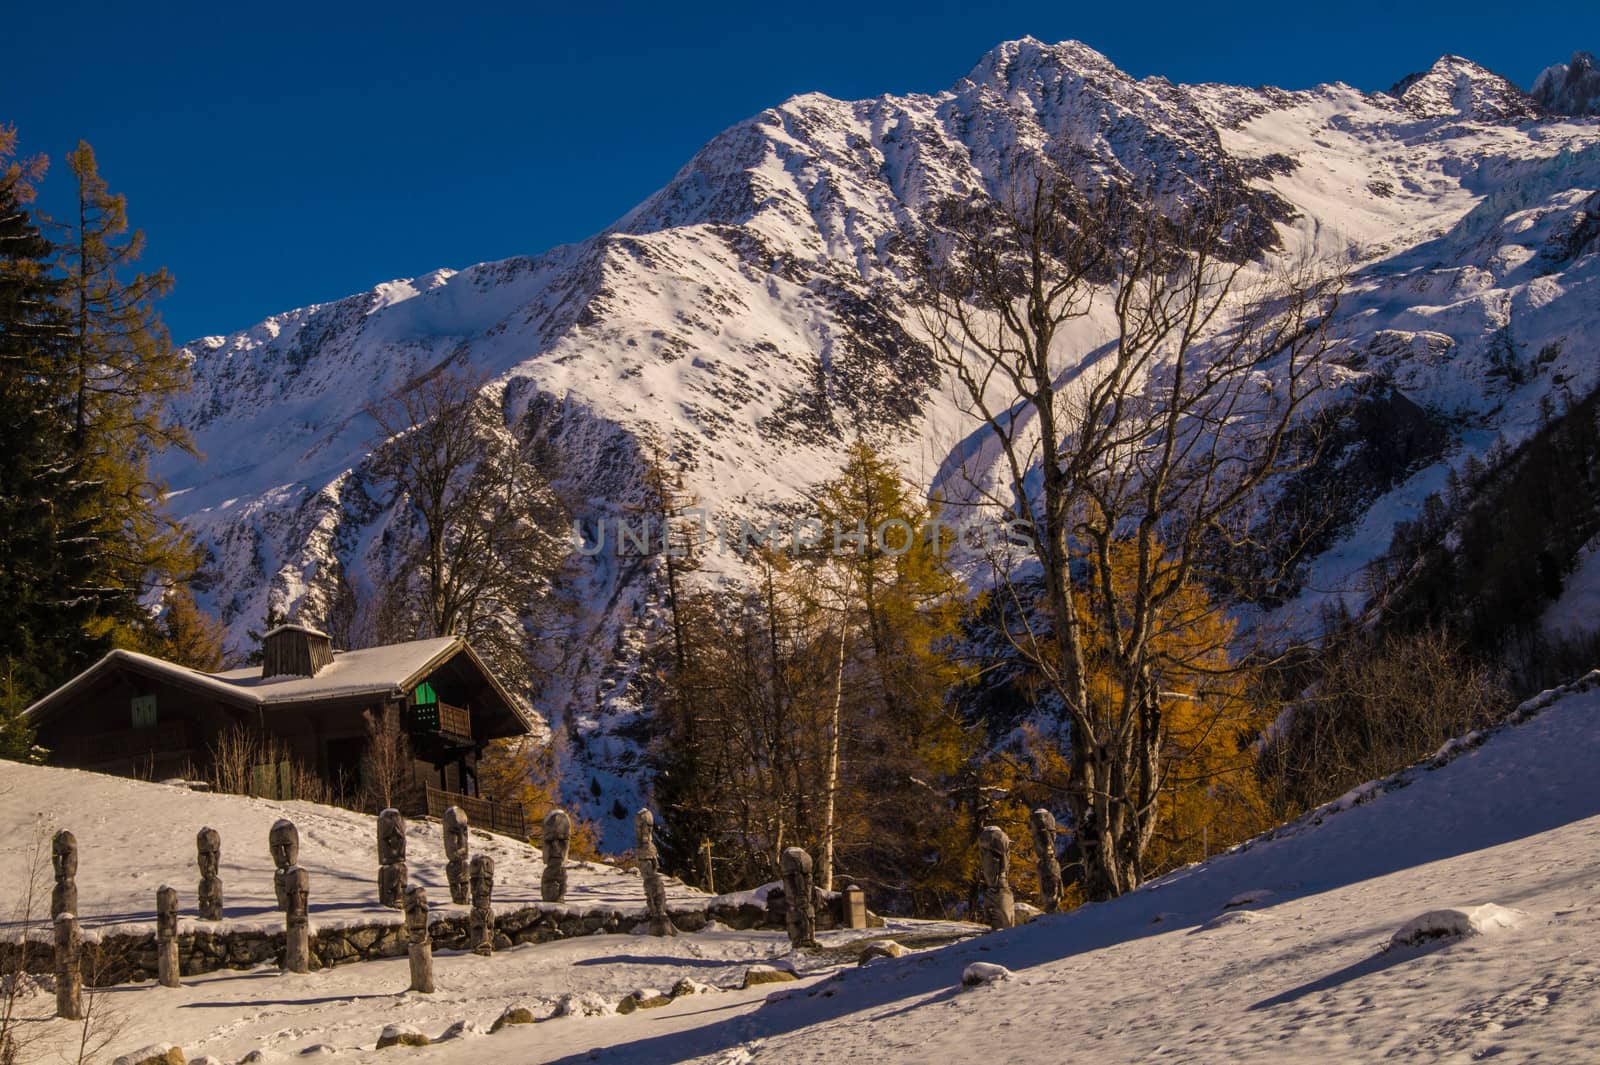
<point x="1459" y="88"/>
<point x="1011" y="65"/>
<point x="754" y="316"/>
<point x="1570" y="88"/>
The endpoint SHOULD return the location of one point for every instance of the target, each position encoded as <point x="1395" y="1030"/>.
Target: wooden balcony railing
<point x="501" y="817"/>
<point x="455" y="720"/>
<point x="440" y="717"/>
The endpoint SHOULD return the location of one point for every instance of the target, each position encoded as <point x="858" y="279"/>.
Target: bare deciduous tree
<point x="1140" y="456"/>
<point x="388" y="757"/>
<point x="489" y="529"/>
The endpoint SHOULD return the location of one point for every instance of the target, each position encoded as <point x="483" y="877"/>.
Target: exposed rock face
<point x="1570" y="88"/>
<point x="1460" y="88"/>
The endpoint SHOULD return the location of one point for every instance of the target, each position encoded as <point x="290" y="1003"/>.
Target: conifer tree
<point x="45" y="549"/>
<point x="120" y="370"/>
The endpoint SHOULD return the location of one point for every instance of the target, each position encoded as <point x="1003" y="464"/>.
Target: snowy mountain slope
<point x="754" y="316"/>
<point x="1278" y="951"/>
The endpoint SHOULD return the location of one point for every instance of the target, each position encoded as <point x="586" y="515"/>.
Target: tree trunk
<point x="825" y="867"/>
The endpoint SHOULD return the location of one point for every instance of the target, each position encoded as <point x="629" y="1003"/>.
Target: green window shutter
<point x="424" y="694"/>
<point x="144" y="711"/>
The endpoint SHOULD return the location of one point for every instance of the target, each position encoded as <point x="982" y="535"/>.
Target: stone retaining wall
<point x="129" y="958"/>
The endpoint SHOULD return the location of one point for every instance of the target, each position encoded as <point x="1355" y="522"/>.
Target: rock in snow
<point x="1455" y="924"/>
<point x="401" y="1035"/>
<point x="158" y="1054"/>
<point x="983" y="972"/>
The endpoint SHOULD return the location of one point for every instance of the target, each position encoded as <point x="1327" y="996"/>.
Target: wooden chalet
<point x="136" y="715"/>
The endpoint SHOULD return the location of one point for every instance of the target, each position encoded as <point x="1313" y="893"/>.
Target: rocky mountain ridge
<point x="757" y="314"/>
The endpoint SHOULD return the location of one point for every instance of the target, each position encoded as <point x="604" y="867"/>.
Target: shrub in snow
<point x="159" y="1054"/>
<point x="1249" y="898"/>
<point x="315" y="1050"/>
<point x="402" y="1035"/>
<point x="983" y="972"/>
<point x="462" y="1028"/>
<point x="1454" y="924"/>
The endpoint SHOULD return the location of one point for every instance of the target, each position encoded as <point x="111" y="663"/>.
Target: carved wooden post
<point x="69" y="968"/>
<point x="855" y="906"/>
<point x="297" y="921"/>
<point x="64" y="861"/>
<point x="457" y="845"/>
<point x="481" y="922"/>
<point x="418" y="944"/>
<point x="555" y="839"/>
<point x="167" y="936"/>
<point x="208" y="854"/>
<point x="649" y="861"/>
<point x="1043" y="824"/>
<point x="799" y="893"/>
<point x="994" y="856"/>
<point x="284" y="842"/>
<point x="391" y="859"/>
<point x="64" y="912"/>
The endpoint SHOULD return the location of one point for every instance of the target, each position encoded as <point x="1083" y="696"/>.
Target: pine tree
<point x="120" y="370"/>
<point x="46" y="548"/>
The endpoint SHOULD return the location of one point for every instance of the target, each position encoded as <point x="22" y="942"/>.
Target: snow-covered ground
<point x="134" y="837"/>
<point x="1319" y="943"/>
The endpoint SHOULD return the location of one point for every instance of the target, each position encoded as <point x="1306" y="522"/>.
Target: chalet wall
<point x="98" y="730"/>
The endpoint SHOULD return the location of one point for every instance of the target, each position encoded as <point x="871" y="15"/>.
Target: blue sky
<point x="284" y="154"/>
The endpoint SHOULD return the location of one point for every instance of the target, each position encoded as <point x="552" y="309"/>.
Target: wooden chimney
<point x="295" y="651"/>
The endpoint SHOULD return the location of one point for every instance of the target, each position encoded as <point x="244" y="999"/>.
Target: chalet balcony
<point x="440" y="719"/>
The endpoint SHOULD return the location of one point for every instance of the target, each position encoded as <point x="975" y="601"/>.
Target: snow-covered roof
<point x="374" y="671"/>
<point x="307" y="629"/>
